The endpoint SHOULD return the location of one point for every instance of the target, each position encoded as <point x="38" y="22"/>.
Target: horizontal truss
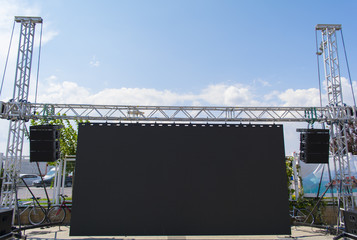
<point x="26" y="111"/>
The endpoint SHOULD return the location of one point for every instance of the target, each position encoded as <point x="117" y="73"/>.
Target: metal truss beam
<point x="176" y="113"/>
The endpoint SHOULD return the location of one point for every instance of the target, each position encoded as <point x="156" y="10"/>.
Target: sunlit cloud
<point x="300" y="97"/>
<point x="219" y="94"/>
<point x="94" y="62"/>
<point x="264" y="83"/>
<point x="48" y="35"/>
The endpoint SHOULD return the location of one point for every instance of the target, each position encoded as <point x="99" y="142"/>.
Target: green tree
<point x="290" y="173"/>
<point x="302" y="202"/>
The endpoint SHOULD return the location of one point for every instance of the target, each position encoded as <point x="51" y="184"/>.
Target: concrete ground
<point x="62" y="232"/>
<point x="23" y="193"/>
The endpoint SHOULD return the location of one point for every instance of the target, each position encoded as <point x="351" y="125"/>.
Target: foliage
<point x="42" y="201"/>
<point x="290" y="175"/>
<point x="302" y="202"/>
<point x="309" y="204"/>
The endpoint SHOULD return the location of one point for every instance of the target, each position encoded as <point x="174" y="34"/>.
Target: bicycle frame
<point x="63" y="205"/>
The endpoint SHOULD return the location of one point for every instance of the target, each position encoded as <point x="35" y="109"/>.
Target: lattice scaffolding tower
<point x="338" y="128"/>
<point x="20" y="108"/>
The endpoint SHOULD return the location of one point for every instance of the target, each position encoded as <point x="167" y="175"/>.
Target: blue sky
<point x="186" y="45"/>
<point x="237" y="53"/>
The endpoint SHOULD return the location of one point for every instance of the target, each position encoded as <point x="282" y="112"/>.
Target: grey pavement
<point x="23" y="192"/>
<point x="62" y="232"/>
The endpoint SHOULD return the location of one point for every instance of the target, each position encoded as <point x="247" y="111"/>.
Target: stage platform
<point x="300" y="232"/>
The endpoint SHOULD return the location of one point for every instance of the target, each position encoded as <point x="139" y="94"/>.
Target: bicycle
<point x="301" y="216"/>
<point x="57" y="214"/>
<point x="52" y="214"/>
<point x="36" y="215"/>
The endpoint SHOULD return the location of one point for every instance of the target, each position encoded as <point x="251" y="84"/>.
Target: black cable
<point x="17" y="210"/>
<point x="318" y="202"/>
<point x="330" y="179"/>
<point x="339" y="206"/>
<point x="348" y="69"/>
<point x="319" y="188"/>
<point x="43" y="183"/>
<point x="7" y="58"/>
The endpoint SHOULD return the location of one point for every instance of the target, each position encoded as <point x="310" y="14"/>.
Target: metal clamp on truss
<point x="2" y="108"/>
<point x="311" y="115"/>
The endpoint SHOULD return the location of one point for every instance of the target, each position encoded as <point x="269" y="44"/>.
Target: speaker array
<point x="314" y="145"/>
<point x="44" y="143"/>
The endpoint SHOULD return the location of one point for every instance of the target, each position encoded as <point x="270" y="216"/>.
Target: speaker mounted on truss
<point x="44" y="143"/>
<point x="314" y="145"/>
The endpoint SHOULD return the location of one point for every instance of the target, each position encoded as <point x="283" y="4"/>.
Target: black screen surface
<point x="134" y="179"/>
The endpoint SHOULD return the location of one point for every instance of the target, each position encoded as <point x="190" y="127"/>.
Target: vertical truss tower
<point x="17" y="126"/>
<point x="338" y="128"/>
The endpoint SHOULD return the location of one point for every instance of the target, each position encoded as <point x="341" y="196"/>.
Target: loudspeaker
<point x="314" y="145"/>
<point x="350" y="218"/>
<point x="5" y="221"/>
<point x="44" y="143"/>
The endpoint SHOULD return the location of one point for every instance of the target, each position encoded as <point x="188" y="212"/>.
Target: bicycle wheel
<point x="37" y="215"/>
<point x="304" y="216"/>
<point x="57" y="214"/>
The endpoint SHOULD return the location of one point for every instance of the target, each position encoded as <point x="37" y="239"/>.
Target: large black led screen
<point x="154" y="179"/>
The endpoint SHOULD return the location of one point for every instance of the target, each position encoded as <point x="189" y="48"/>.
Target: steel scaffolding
<point x="338" y="128"/>
<point x="20" y="96"/>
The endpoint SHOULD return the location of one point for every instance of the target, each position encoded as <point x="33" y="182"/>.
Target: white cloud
<point x="300" y="97"/>
<point x="347" y="91"/>
<point x="48" y="35"/>
<point x="94" y="62"/>
<point x="271" y="95"/>
<point x="63" y="92"/>
<point x="51" y="78"/>
<point x="54" y="91"/>
<point x="221" y="94"/>
<point x="311" y="96"/>
<point x="228" y="95"/>
<point x="11" y="8"/>
<point x="138" y="96"/>
<point x="264" y="83"/>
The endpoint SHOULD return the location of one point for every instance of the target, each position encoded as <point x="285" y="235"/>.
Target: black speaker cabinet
<point x="44" y="143"/>
<point x="350" y="218"/>
<point x="5" y="221"/>
<point x="314" y="145"/>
